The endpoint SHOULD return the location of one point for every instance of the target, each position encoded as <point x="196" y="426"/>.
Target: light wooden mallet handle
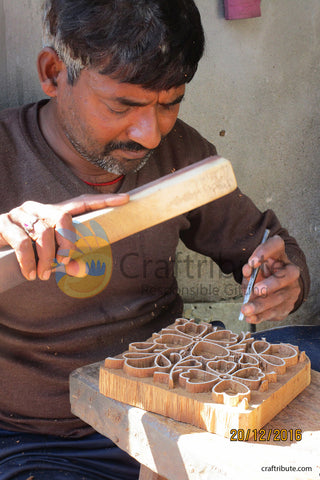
<point x="149" y="205"/>
<point x="166" y="198"/>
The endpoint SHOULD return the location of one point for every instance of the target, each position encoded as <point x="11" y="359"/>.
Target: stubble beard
<point x="107" y="161"/>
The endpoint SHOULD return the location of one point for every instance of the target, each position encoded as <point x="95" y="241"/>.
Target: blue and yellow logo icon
<point x="94" y="258"/>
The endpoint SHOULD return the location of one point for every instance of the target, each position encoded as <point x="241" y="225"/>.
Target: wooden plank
<point x="149" y="205"/>
<point x="166" y="198"/>
<point x="217" y="401"/>
<point x="179" y="451"/>
<point x="147" y="474"/>
<point x="203" y="412"/>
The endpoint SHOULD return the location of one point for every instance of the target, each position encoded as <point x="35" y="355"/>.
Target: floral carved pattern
<point x="200" y="359"/>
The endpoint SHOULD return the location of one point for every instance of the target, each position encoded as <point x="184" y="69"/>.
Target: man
<point x="115" y="72"/>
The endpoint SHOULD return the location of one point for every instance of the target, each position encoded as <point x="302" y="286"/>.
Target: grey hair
<point x="153" y="43"/>
<point x="73" y="63"/>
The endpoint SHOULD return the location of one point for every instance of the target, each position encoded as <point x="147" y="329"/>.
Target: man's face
<point x="114" y="125"/>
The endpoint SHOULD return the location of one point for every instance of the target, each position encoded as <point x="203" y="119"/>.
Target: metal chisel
<point x="252" y="278"/>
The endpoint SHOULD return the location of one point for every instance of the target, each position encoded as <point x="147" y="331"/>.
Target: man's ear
<point x="49" y="68"/>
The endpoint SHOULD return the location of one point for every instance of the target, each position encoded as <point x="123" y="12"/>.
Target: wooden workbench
<point x="177" y="451"/>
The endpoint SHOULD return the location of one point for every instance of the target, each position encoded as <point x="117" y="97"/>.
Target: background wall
<point x="255" y="96"/>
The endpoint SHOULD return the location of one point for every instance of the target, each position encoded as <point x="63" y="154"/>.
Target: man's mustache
<point x="129" y="146"/>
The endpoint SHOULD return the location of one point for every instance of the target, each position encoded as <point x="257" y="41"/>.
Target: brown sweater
<point x="46" y="334"/>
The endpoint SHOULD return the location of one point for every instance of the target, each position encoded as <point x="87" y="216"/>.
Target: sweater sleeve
<point x="230" y="228"/>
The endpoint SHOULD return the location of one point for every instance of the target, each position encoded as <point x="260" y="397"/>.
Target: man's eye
<point x="169" y="106"/>
<point x="118" y="111"/>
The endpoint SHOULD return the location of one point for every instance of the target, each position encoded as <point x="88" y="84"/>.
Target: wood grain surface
<point x="149" y="205"/>
<point x="179" y="451"/>
<point x="194" y="374"/>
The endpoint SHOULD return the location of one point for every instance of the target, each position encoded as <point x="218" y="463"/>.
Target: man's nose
<point x="145" y="129"/>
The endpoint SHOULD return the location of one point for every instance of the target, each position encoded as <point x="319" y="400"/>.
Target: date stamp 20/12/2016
<point x="263" y="435"/>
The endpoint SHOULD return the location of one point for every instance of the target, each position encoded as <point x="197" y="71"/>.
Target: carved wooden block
<point x="214" y="379"/>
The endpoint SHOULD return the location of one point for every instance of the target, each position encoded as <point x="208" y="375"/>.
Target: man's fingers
<point x="273" y="315"/>
<point x="270" y="258"/>
<point x="17" y="238"/>
<point x="65" y="230"/>
<point x="246" y="271"/>
<point x="77" y="268"/>
<point x="90" y="202"/>
<point x="266" y="267"/>
<point x="50" y="227"/>
<point x="274" y="248"/>
<point x="45" y="245"/>
<point x="273" y="304"/>
<point x="270" y="267"/>
<point x="285" y="297"/>
<point x="284" y="277"/>
<point x="40" y="221"/>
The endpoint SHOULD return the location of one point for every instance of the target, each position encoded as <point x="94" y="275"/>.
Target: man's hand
<point x="41" y="224"/>
<point x="277" y="286"/>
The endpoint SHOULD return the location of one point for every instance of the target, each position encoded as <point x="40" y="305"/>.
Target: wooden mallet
<point x="149" y="205"/>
